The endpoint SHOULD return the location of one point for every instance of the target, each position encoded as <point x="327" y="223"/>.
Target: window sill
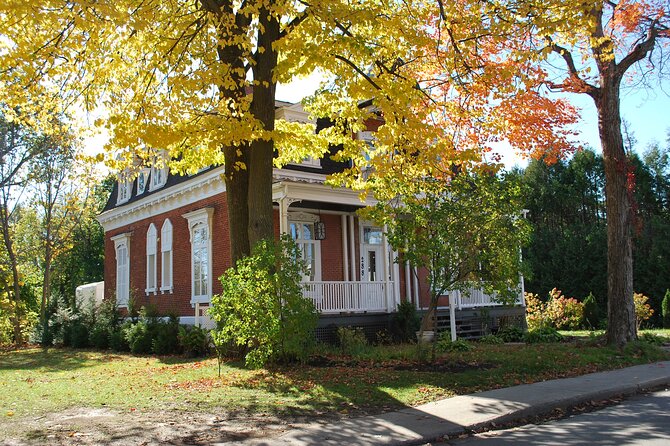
<point x="167" y="289"/>
<point x="148" y="291"/>
<point x="200" y="300"/>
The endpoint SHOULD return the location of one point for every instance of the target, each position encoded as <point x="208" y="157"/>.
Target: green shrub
<point x="564" y="313"/>
<point x="511" y="333"/>
<point x="536" y="315"/>
<point x="262" y="307"/>
<point x="665" y="309"/>
<point x="591" y="312"/>
<point x="445" y="344"/>
<point x="78" y="335"/>
<point x="383" y="337"/>
<point x="643" y="310"/>
<point x="194" y="340"/>
<point x="543" y="335"/>
<point x="490" y="339"/>
<point x="405" y="322"/>
<point x="99" y="337"/>
<point x="352" y="340"/>
<point x="166" y="340"/>
<point x="654" y="339"/>
<point x="117" y="338"/>
<point x="139" y="337"/>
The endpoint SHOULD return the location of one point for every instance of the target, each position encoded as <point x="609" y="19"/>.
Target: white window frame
<point x="364" y="248"/>
<point x="152" y="263"/>
<point x="195" y="220"/>
<point x="166" y="252"/>
<point x="142" y="175"/>
<point x="122" y="245"/>
<point x="160" y="167"/>
<point x="305" y="218"/>
<point x="125" y="189"/>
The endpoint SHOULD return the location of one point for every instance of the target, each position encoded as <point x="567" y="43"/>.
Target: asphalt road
<point x="641" y="420"/>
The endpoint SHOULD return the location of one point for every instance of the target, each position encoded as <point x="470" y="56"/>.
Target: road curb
<point x="539" y="410"/>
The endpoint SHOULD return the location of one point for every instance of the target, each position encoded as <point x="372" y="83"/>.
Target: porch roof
<point x="319" y="193"/>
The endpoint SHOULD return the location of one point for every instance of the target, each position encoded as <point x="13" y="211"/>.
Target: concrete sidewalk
<point x="456" y="415"/>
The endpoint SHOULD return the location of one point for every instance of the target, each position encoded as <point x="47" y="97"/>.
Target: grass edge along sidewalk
<point x="454" y="416"/>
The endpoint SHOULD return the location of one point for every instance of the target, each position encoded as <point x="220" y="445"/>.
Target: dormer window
<point x="159" y="171"/>
<point x="125" y="188"/>
<point x="142" y="178"/>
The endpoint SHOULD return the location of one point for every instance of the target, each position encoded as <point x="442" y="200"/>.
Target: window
<point x="166" y="256"/>
<point x="125" y="188"/>
<point x="302" y="231"/>
<point x="151" y="259"/>
<point x="200" y="223"/>
<point x="122" y="249"/>
<point x="159" y="171"/>
<point x="142" y="181"/>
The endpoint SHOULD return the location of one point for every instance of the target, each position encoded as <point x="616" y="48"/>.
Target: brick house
<point x="167" y="243"/>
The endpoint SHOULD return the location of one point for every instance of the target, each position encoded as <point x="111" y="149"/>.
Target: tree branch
<point x="573" y="74"/>
<point x="640" y="51"/>
<point x="358" y="70"/>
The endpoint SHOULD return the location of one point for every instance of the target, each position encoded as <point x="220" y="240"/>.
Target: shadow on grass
<point x="51" y="360"/>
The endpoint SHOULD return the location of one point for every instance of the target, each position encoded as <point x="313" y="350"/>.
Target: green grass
<point x="586" y="333"/>
<point x="35" y="381"/>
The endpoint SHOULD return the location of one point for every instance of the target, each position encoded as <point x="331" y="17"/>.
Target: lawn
<point x="36" y="381"/>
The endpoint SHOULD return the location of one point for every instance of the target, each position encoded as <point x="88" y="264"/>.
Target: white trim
<point x="198" y="188"/>
<point x="122" y="241"/>
<point x="166" y="249"/>
<point x="143" y="173"/>
<point x="126" y="187"/>
<point x="320" y="193"/>
<point x="345" y="248"/>
<point x="303" y="216"/>
<point x="300" y="218"/>
<point x="152" y="250"/>
<point x="156" y="181"/>
<point x="352" y="248"/>
<point x="195" y="218"/>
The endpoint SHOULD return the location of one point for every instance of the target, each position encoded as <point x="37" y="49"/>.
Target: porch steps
<point x="468" y="326"/>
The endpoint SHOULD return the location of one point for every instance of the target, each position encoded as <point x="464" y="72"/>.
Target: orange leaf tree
<point x="591" y="48"/>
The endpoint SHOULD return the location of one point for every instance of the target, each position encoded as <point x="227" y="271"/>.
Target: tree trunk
<point x="236" y="162"/>
<point x="620" y="306"/>
<point x="261" y="225"/>
<point x="16" y="285"/>
<point x="46" y="286"/>
<point x="237" y="186"/>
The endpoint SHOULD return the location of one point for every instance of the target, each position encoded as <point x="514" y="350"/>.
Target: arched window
<point x="159" y="171"/>
<point x="152" y="242"/>
<point x="200" y="223"/>
<point x="122" y="250"/>
<point x="166" y="256"/>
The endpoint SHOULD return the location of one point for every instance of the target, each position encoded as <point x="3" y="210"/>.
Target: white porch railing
<point x="349" y="297"/>
<point x="476" y="297"/>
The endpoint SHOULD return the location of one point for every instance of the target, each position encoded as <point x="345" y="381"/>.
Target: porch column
<point x="352" y="248"/>
<point x="396" y="280"/>
<point x="283" y="215"/>
<point x="387" y="288"/>
<point x="415" y="279"/>
<point x="408" y="282"/>
<point x="345" y="249"/>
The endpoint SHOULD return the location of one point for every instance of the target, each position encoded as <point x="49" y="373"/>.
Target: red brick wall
<point x="331" y="249"/>
<point x="180" y="298"/>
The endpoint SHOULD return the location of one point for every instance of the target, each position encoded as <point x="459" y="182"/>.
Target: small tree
<point x="665" y="309"/>
<point x="262" y="307"/>
<point x="591" y="311"/>
<point x="466" y="230"/>
<point x="643" y="310"/>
